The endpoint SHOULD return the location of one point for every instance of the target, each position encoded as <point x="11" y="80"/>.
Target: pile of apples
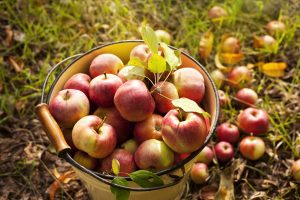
<point x="113" y="114"/>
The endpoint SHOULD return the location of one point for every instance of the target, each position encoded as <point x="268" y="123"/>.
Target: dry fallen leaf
<point x="220" y="65"/>
<point x="16" y="64"/>
<point x="231" y="58"/>
<point x="273" y="69"/>
<point x="9" y="36"/>
<point x="206" y="44"/>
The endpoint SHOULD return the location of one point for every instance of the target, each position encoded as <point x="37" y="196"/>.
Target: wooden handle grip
<point x="51" y="128"/>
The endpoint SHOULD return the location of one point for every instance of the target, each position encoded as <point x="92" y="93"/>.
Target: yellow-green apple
<point x="150" y="128"/>
<point x="68" y="106"/>
<point x="105" y="63"/>
<point x="239" y="77"/>
<point x="218" y="77"/>
<point x="252" y="147"/>
<point x="189" y="83"/>
<point x="141" y="51"/>
<point x="113" y="117"/>
<point x="91" y="135"/>
<point x="205" y="156"/>
<point x="246" y="96"/>
<point x="224" y="151"/>
<point x="131" y="72"/>
<point x="80" y="82"/>
<point x="253" y="120"/>
<point x="125" y="159"/>
<point x="134" y="101"/>
<point x="130" y="145"/>
<point x="85" y="160"/>
<point x="199" y="173"/>
<point x="153" y="155"/>
<point x="223" y="98"/>
<point x="265" y="41"/>
<point x="230" y="45"/>
<point x="103" y="88"/>
<point x="296" y="170"/>
<point x="163" y="93"/>
<point x="183" y="132"/>
<point x="178" y="157"/>
<point x="275" y="27"/>
<point x="217" y="12"/>
<point x="228" y="132"/>
<point x="163" y="36"/>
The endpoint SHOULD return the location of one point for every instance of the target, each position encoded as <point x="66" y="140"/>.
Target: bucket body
<point x="99" y="190"/>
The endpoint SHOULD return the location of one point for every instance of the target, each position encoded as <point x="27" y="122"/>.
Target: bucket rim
<point x="177" y="166"/>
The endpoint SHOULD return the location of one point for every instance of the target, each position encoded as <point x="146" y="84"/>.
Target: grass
<point x="46" y="32"/>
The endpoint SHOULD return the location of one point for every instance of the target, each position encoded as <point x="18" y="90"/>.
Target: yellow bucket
<point x="97" y="184"/>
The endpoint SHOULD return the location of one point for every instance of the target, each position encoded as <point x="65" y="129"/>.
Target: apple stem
<point x="180" y="114"/>
<point x="105" y="76"/>
<point x="101" y="124"/>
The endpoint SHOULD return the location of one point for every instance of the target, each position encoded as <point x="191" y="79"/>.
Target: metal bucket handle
<point x="56" y="136"/>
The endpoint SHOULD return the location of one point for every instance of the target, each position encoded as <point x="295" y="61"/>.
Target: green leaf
<point x="172" y="59"/>
<point x="115" y="165"/>
<point x="135" y="73"/>
<point x="188" y="105"/>
<point x="150" y="38"/>
<point x="157" y="64"/>
<point x="121" y="194"/>
<point x="135" y="61"/>
<point x="146" y="178"/>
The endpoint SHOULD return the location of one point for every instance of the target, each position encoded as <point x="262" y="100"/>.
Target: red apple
<point x="150" y="128"/>
<point x="130" y="145"/>
<point x="230" y="45"/>
<point x="134" y="101"/>
<point x="252" y="147"/>
<point x="80" y="82"/>
<point x="141" y="51"/>
<point x="275" y="27"/>
<point x="253" y="120"/>
<point x="239" y="77"/>
<point x="103" y="88"/>
<point x="178" y="157"/>
<point x="296" y="170"/>
<point x="217" y="12"/>
<point x="223" y="98"/>
<point x="125" y="159"/>
<point x="228" y="132"/>
<point x="163" y="93"/>
<point x="94" y="137"/>
<point x="153" y="155"/>
<point x="85" y="160"/>
<point x="205" y="156"/>
<point x="199" y="173"/>
<point x="224" y="151"/>
<point x="218" y="77"/>
<point x="183" y="132"/>
<point x="189" y="83"/>
<point x="105" y="63"/>
<point x="113" y="117"/>
<point x="68" y="106"/>
<point x="247" y="96"/>
<point x="163" y="36"/>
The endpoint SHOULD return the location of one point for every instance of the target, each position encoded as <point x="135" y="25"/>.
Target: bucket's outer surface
<point x="97" y="189"/>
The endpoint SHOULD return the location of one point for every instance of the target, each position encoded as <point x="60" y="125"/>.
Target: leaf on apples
<point x="157" y="64"/>
<point x="121" y="194"/>
<point x="135" y="61"/>
<point x="171" y="56"/>
<point x="188" y="105"/>
<point x="115" y="165"/>
<point x="146" y="178"/>
<point x="150" y="38"/>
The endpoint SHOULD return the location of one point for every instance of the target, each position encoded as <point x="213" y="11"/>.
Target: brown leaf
<point x="206" y="44"/>
<point x="8" y="36"/>
<point x="16" y="64"/>
<point x="274" y="69"/>
<point x="208" y="192"/>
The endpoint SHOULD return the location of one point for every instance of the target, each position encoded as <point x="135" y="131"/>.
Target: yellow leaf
<point x="231" y="58"/>
<point x="206" y="44"/>
<point x="220" y="65"/>
<point x="274" y="69"/>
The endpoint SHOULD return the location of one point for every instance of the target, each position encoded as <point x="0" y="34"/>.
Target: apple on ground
<point x="223" y="98"/>
<point x="189" y="83"/>
<point x="150" y="128"/>
<point x="199" y="173"/>
<point x="183" y="132"/>
<point x="105" y="63"/>
<point x="103" y="88"/>
<point x="80" y="82"/>
<point x="275" y="27"/>
<point x="134" y="101"/>
<point x="85" y="160"/>
<point x="217" y="12"/>
<point x="228" y="132"/>
<point x="154" y="155"/>
<point x="68" y="106"/>
<point x="113" y="117"/>
<point x="218" y="77"/>
<point x="230" y="45"/>
<point x="178" y="157"/>
<point x="265" y="41"/>
<point x="205" y="156"/>
<point x="91" y="135"/>
<point x="253" y="120"/>
<point x="163" y="93"/>
<point x="224" y="151"/>
<point x="296" y="170"/>
<point x="141" y="51"/>
<point x="246" y="96"/>
<point x="163" y="36"/>
<point x="130" y="145"/>
<point x="252" y="147"/>
<point x="239" y="77"/>
<point x="125" y="159"/>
